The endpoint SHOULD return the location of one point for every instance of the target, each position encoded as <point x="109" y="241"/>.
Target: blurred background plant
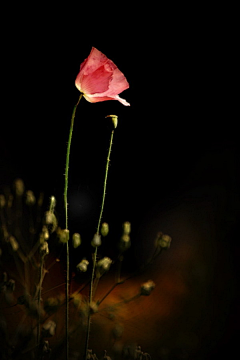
<point x="32" y="283"/>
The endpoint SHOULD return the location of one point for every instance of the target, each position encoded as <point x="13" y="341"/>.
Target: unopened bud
<point x="104" y="229"/>
<point x="163" y="241"/>
<point x="63" y="235"/>
<point x="126" y="228"/>
<point x="114" y="119"/>
<point x="30" y="198"/>
<point x="76" y="240"/>
<point x="82" y="266"/>
<point x="147" y="288"/>
<point x="96" y="241"/>
<point x="19" y="187"/>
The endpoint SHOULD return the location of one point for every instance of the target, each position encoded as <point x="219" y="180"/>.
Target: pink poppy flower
<point x="99" y="79"/>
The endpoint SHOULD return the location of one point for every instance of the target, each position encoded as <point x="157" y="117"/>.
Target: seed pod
<point x="126" y="228"/>
<point x="103" y="265"/>
<point x="76" y="240"/>
<point x="114" y="119"/>
<point x="104" y="229"/>
<point x="82" y="266"/>
<point x="96" y="241"/>
<point x="63" y="235"/>
<point x="163" y="241"/>
<point x="125" y="243"/>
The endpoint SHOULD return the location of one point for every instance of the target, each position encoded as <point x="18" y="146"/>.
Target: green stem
<point x="96" y="249"/>
<point x="66" y="221"/>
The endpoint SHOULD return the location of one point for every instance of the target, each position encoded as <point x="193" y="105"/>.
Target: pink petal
<point x="99" y="79"/>
<point x="96" y="82"/>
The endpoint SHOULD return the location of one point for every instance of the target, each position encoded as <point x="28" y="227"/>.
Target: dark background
<point x="175" y="148"/>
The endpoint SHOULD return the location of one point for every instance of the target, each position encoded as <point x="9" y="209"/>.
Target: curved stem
<point x="66" y="220"/>
<point x="96" y="249"/>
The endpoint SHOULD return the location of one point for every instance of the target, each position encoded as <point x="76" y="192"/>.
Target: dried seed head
<point x="82" y="266"/>
<point x="30" y="198"/>
<point x="147" y="288"/>
<point x="2" y="201"/>
<point x="104" y="229"/>
<point x="13" y="243"/>
<point x="96" y="241"/>
<point x="114" y="119"/>
<point x="126" y="228"/>
<point x="163" y="241"/>
<point x="63" y="235"/>
<point x="76" y="240"/>
<point x="19" y="187"/>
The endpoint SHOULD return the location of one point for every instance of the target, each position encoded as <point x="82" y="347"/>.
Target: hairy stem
<point x="66" y="222"/>
<point x="96" y="249"/>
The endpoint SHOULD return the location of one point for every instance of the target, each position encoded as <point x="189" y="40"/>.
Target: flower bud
<point x="163" y="241"/>
<point x="48" y="329"/>
<point x="104" y="229"/>
<point x="63" y="235"/>
<point x="82" y="266"/>
<point x="114" y="119"/>
<point x="96" y="241"/>
<point x="76" y="240"/>
<point x="126" y="228"/>
<point x="30" y="198"/>
<point x="147" y="288"/>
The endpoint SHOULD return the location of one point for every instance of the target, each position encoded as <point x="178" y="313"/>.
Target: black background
<point x="175" y="144"/>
